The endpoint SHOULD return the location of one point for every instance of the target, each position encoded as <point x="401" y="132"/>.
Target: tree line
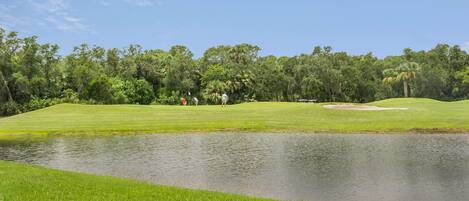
<point x="33" y="75"/>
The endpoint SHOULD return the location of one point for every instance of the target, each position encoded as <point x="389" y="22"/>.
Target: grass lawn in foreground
<point x="25" y="182"/>
<point x="423" y="115"/>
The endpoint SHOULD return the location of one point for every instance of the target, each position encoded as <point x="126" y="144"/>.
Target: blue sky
<point x="278" y="27"/>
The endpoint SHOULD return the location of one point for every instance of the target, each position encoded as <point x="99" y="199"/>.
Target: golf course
<point x="234" y="100"/>
<point x="26" y="182"/>
<point x="414" y="115"/>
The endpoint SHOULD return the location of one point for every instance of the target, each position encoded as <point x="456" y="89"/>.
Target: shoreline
<point x="32" y="135"/>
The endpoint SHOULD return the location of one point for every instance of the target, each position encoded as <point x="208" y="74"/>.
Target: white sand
<point x="360" y="107"/>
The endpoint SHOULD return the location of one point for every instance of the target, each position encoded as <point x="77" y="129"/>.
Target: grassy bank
<point x="423" y="115"/>
<point x="25" y="182"/>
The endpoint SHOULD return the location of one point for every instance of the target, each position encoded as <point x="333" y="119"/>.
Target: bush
<point x="101" y="90"/>
<point x="118" y="88"/>
<point x="119" y="98"/>
<point x="212" y="92"/>
<point x="37" y="103"/>
<point x="139" y="91"/>
<point x="70" y="96"/>
<point x="10" y="108"/>
<point x="174" y="99"/>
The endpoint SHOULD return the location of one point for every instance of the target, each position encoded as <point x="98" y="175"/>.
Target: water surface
<point x="282" y="166"/>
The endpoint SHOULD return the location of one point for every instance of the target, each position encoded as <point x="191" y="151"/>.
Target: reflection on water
<point x="283" y="166"/>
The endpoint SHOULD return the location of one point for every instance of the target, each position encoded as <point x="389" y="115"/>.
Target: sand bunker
<point x="360" y="107"/>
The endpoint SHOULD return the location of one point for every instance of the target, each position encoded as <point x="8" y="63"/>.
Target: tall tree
<point x="404" y="72"/>
<point x="181" y="74"/>
<point x="9" y="45"/>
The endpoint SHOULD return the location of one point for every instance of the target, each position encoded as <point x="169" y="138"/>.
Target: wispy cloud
<point x="144" y="2"/>
<point x="68" y="24"/>
<point x="57" y="13"/>
<point x="141" y="3"/>
<point x="45" y="13"/>
<point x="11" y="22"/>
<point x="104" y="3"/>
<point x="7" y="20"/>
<point x="50" y="6"/>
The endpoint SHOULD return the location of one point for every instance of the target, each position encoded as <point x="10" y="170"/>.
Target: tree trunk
<point x="5" y="83"/>
<point x="406" y="87"/>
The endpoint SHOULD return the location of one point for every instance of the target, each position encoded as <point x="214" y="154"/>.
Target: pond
<point x="283" y="166"/>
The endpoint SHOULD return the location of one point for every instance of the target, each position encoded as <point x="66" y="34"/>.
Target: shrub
<point x="119" y="98"/>
<point x="101" y="90"/>
<point x="118" y="88"/>
<point x="37" y="103"/>
<point x="213" y="90"/>
<point x="139" y="91"/>
<point x="70" y="96"/>
<point x="10" y="108"/>
<point x="174" y="99"/>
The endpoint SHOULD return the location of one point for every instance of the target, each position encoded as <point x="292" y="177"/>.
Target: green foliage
<point x="70" y="96"/>
<point x="213" y="91"/>
<point x="214" y="72"/>
<point x="404" y="72"/>
<point x="91" y="74"/>
<point x="180" y="73"/>
<point x="36" y="103"/>
<point x="100" y="90"/>
<point x="118" y="91"/>
<point x="463" y="75"/>
<point x="173" y="99"/>
<point x="462" y="80"/>
<point x="10" y="108"/>
<point x="138" y="91"/>
<point x="430" y="82"/>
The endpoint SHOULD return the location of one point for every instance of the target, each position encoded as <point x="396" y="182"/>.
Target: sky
<point x="279" y="27"/>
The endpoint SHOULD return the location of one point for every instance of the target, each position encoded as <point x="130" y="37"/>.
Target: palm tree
<point x="404" y="72"/>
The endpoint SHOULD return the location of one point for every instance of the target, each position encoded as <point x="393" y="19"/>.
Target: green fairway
<point x="423" y="115"/>
<point x="25" y="182"/>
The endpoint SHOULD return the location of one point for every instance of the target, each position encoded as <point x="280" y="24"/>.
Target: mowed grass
<point x="25" y="182"/>
<point x="423" y="115"/>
